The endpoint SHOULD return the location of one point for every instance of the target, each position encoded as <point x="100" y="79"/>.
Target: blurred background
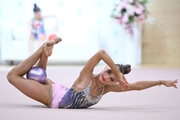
<point x="143" y="33"/>
<point x="87" y="26"/>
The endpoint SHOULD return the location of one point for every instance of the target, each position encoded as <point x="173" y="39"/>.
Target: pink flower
<point x="127" y="6"/>
<point x="130" y="10"/>
<point x="120" y="20"/>
<point x="123" y="4"/>
<point x="138" y="8"/>
<point x="142" y="18"/>
<point x="129" y="28"/>
<point x="119" y="7"/>
<point x="130" y="1"/>
<point x="125" y="18"/>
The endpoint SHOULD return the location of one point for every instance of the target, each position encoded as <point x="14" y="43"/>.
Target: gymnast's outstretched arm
<point x="141" y="85"/>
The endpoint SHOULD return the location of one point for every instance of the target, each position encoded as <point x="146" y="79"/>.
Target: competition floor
<point x="157" y="103"/>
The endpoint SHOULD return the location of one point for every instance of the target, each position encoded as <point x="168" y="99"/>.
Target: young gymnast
<point x="37" y="31"/>
<point x="87" y="89"/>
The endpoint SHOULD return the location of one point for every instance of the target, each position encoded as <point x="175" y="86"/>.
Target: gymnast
<point x="37" y="30"/>
<point x="88" y="88"/>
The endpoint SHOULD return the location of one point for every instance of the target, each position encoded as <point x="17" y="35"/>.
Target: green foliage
<point x="131" y="19"/>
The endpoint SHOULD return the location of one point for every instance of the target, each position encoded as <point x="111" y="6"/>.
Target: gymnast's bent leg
<point x="43" y="63"/>
<point x="30" y="88"/>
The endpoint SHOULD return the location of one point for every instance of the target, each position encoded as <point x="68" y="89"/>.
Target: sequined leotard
<point x="73" y="99"/>
<point x="38" y="28"/>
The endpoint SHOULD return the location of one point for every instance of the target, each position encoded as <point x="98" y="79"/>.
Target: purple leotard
<point x="63" y="97"/>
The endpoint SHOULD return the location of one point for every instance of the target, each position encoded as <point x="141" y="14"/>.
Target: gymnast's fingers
<point x="122" y="86"/>
<point x="124" y="78"/>
<point x="176" y="81"/>
<point x="174" y="85"/>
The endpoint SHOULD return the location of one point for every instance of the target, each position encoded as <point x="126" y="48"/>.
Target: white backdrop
<point x="84" y="25"/>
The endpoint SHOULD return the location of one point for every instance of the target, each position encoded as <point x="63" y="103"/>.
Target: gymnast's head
<point x="37" y="12"/>
<point x="107" y="76"/>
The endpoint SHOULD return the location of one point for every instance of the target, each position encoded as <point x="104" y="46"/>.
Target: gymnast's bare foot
<point x="48" y="46"/>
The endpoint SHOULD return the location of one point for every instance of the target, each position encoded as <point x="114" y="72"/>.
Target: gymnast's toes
<point x="57" y="40"/>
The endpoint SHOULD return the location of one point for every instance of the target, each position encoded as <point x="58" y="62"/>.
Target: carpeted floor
<point x="157" y="103"/>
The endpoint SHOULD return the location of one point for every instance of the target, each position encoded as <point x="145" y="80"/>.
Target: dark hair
<point x="36" y="9"/>
<point x="124" y="69"/>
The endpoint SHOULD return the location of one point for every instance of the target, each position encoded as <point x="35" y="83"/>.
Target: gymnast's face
<point x="107" y="77"/>
<point x="37" y="15"/>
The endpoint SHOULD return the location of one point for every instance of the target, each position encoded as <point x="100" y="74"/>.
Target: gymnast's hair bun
<point x="36" y="8"/>
<point x="124" y="69"/>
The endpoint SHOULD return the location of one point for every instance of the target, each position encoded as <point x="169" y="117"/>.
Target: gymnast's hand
<point x="123" y="82"/>
<point x="170" y="83"/>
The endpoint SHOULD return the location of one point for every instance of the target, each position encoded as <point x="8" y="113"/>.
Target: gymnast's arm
<point x="95" y="59"/>
<point x="141" y="85"/>
<point x="86" y="72"/>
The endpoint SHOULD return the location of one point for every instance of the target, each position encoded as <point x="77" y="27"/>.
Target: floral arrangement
<point x="130" y="11"/>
